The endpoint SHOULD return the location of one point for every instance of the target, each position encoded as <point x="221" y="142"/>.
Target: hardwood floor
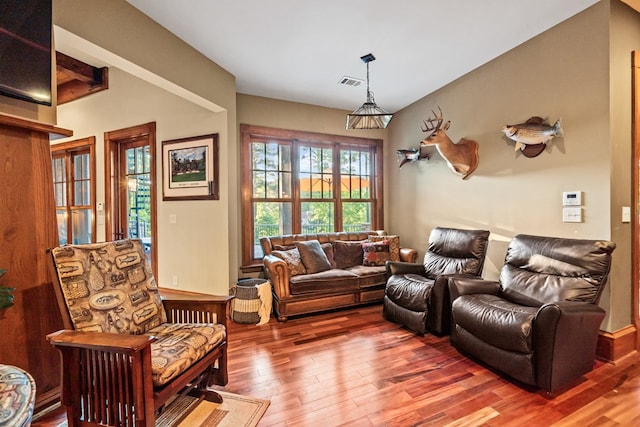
<point x="352" y="368"/>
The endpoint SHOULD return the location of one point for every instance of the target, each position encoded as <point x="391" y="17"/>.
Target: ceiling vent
<point x="351" y="81"/>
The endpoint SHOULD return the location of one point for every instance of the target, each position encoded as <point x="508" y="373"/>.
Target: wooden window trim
<point x="71" y="147"/>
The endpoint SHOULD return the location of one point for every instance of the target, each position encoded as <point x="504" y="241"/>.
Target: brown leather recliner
<point x="539" y="324"/>
<point x="416" y="295"/>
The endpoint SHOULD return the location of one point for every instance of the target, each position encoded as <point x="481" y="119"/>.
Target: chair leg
<point x="219" y="375"/>
<point x="199" y="389"/>
<point x="208" y="395"/>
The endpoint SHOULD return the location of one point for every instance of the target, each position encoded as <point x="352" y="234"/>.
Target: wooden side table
<point x="17" y="397"/>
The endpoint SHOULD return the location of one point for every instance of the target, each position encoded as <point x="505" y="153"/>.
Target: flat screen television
<point x="25" y="50"/>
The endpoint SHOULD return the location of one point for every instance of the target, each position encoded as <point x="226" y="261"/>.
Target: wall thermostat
<point x="572" y="198"/>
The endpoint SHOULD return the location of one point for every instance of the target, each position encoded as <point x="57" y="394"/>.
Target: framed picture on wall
<point x="190" y="168"/>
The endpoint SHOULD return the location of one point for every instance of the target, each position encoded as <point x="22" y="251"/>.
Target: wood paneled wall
<point x="27" y="228"/>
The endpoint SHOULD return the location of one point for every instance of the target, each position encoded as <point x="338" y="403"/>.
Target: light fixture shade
<point x="369" y="116"/>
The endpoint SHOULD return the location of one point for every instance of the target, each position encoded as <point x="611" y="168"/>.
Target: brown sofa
<point x="347" y="283"/>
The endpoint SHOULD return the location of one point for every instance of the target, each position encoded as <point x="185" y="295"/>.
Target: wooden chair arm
<point x="101" y="341"/>
<point x="197" y="308"/>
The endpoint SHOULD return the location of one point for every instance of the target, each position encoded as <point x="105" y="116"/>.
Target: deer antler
<point x="428" y="124"/>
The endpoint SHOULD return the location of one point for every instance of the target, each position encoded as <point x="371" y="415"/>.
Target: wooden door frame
<point x="111" y="141"/>
<point x="635" y="212"/>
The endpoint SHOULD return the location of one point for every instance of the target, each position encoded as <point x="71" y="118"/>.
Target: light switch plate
<point x="572" y="214"/>
<point x="626" y="214"/>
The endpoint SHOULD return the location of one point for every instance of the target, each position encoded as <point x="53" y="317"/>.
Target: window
<point x="74" y="187"/>
<point x="307" y="183"/>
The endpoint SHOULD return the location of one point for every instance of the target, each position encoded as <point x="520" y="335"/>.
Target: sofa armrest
<point x="277" y="272"/>
<point x="408" y="255"/>
<point x="399" y="267"/>
<point x="565" y="341"/>
<point x="465" y="286"/>
<point x="197" y="308"/>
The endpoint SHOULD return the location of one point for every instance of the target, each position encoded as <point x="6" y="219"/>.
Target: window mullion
<point x="337" y="187"/>
<point x="296" y="207"/>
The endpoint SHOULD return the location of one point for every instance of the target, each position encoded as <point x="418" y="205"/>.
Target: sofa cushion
<point x="363" y="270"/>
<point x="313" y="256"/>
<point x="293" y="260"/>
<point x="179" y="345"/>
<point x="283" y="247"/>
<point x="496" y="321"/>
<point x="327" y="281"/>
<point x="347" y="254"/>
<point x="410" y="291"/>
<point x="394" y="245"/>
<point x="328" y="251"/>
<point x="375" y="253"/>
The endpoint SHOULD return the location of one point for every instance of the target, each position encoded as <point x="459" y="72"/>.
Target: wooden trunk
<point x="27" y="228"/>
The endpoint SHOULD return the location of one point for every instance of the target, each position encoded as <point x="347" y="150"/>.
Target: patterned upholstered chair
<point x="125" y="351"/>
<point x="417" y="295"/>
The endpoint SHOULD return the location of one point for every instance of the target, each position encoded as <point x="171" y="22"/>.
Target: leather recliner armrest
<point x="565" y="340"/>
<point x="399" y="267"/>
<point x="441" y="303"/>
<point x="466" y="286"/>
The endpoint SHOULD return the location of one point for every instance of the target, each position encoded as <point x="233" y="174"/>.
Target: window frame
<point x="251" y="133"/>
<point x="68" y="150"/>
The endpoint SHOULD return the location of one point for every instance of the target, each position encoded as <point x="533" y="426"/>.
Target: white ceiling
<point x="298" y="50"/>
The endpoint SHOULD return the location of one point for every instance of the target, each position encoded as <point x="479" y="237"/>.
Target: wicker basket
<point x="246" y="305"/>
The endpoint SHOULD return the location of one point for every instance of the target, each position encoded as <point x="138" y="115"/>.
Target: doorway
<point x="130" y="187"/>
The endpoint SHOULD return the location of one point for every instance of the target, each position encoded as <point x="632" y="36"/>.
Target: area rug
<point x="234" y="411"/>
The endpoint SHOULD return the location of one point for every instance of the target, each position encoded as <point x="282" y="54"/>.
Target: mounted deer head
<point x="462" y="158"/>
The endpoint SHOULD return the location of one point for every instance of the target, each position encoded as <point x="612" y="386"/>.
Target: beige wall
<point x="624" y="28"/>
<point x="191" y="248"/>
<point x="186" y="95"/>
<point x="561" y="73"/>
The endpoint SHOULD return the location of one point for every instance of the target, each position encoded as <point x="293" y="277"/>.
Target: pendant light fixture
<point x="369" y="116"/>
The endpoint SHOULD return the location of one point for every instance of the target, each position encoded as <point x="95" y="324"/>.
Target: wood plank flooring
<point x="353" y="368"/>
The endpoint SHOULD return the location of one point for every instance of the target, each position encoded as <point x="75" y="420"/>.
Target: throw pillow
<point x="283" y="247"/>
<point x="394" y="245"/>
<point x="313" y="257"/>
<point x="375" y="253"/>
<point x="293" y="260"/>
<point x="347" y="254"/>
<point x="328" y="251"/>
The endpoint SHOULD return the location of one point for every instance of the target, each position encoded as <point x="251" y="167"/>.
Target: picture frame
<point x="190" y="168"/>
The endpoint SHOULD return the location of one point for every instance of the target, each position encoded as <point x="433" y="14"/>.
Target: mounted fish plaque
<point x="531" y="137"/>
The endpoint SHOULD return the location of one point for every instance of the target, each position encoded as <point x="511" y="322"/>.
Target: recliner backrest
<point x="109" y="287"/>
<point x="540" y="270"/>
<point x="453" y="250"/>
